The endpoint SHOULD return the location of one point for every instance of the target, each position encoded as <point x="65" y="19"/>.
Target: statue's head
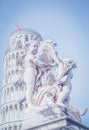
<point x="51" y="43"/>
<point x="69" y="64"/>
<point x="33" y="47"/>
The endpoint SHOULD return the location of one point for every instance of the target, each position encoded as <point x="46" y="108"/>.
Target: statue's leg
<point x="30" y="78"/>
<point x="64" y="94"/>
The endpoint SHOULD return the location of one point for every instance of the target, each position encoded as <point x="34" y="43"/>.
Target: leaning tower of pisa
<point x="12" y="92"/>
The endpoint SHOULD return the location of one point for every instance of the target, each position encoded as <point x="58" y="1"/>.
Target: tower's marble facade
<point x="12" y="92"/>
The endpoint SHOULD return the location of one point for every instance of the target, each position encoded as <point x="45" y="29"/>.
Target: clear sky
<point x="64" y="21"/>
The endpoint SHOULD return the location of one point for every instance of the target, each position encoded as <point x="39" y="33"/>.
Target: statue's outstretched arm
<point x="55" y="57"/>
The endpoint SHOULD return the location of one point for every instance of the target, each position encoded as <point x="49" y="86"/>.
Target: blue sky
<point x="64" y="21"/>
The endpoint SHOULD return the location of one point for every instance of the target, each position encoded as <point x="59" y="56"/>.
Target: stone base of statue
<point x="51" y="118"/>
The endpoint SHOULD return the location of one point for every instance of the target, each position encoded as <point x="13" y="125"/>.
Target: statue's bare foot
<point x="82" y="112"/>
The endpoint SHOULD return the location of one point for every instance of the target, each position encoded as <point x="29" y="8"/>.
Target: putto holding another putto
<point x="44" y="88"/>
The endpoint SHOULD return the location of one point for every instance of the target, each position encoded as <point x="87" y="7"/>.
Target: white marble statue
<point x="43" y="87"/>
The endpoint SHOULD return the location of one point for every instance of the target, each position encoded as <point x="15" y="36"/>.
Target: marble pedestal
<point x="64" y="123"/>
<point x="48" y="120"/>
